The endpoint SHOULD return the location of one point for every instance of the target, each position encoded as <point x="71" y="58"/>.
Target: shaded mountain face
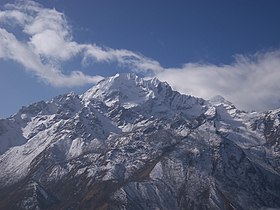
<point x="130" y="143"/>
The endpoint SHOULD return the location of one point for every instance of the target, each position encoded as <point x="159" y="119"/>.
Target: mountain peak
<point x="125" y="88"/>
<point x="218" y="100"/>
<point x="125" y="76"/>
<point x="121" y="78"/>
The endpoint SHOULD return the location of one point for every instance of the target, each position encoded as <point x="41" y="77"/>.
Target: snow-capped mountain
<point x="130" y="143"/>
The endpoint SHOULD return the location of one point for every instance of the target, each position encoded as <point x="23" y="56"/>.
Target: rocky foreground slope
<point x="129" y="143"/>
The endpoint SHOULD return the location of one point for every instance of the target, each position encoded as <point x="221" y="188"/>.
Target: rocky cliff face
<point x="129" y="143"/>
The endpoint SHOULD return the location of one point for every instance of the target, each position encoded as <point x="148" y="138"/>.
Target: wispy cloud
<point x="135" y="61"/>
<point x="250" y="82"/>
<point x="46" y="42"/>
<point x="49" y="41"/>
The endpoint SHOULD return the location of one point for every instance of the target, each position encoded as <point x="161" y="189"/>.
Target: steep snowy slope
<point x="130" y="143"/>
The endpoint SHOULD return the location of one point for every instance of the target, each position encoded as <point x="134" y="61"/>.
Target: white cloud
<point x="49" y="42"/>
<point x="251" y="82"/>
<point x="122" y="57"/>
<point x="51" y="35"/>
<point x="11" y="48"/>
<point x="13" y="17"/>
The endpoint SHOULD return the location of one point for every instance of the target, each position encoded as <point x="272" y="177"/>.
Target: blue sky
<point x="202" y="48"/>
